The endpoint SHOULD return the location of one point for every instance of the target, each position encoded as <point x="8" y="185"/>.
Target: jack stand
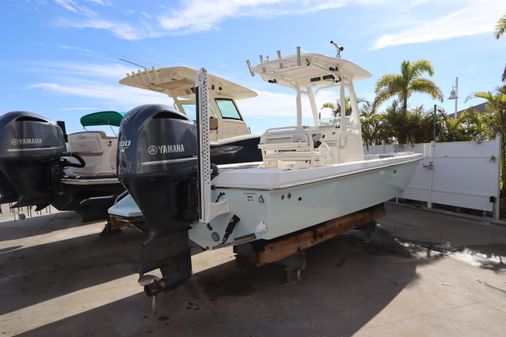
<point x="294" y="266"/>
<point x="109" y="230"/>
<point x="368" y="229"/>
<point x="244" y="257"/>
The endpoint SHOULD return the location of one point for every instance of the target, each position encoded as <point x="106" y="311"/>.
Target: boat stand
<point x="109" y="230"/>
<point x="289" y="251"/>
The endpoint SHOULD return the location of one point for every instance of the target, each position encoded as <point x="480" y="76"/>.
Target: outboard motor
<point x="7" y="191"/>
<point x="157" y="164"/>
<point x="30" y="151"/>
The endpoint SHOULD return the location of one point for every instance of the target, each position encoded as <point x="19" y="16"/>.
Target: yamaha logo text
<point x="26" y="141"/>
<point x="164" y="149"/>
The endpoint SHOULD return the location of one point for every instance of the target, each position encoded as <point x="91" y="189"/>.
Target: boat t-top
<point x="307" y="176"/>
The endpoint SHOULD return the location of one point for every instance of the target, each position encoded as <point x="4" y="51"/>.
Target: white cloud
<point x="101" y="2"/>
<point x="192" y="15"/>
<point x="202" y="15"/>
<point x="98" y="82"/>
<point x="112" y="71"/>
<point x="111" y="95"/>
<point x="68" y="5"/>
<point x="84" y="50"/>
<point x="475" y="18"/>
<point x="122" y="30"/>
<point x="199" y="15"/>
<point x="74" y="7"/>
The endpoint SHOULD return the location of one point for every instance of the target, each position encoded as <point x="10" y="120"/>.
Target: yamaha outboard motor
<point x="30" y="151"/>
<point x="7" y="191"/>
<point x="157" y="164"/>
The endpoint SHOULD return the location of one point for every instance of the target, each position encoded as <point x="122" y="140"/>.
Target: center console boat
<point x="308" y="174"/>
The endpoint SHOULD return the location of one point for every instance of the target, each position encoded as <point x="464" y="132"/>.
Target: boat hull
<point x="90" y="198"/>
<point x="268" y="214"/>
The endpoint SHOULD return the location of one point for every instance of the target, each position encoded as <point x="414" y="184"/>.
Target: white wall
<point x="463" y="174"/>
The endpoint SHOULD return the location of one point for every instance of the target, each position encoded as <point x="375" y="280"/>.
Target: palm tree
<point x="402" y="86"/>
<point x="500" y="28"/>
<point x="496" y="122"/>
<point x="373" y="126"/>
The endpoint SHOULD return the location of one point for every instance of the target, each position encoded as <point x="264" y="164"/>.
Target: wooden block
<point x="282" y="248"/>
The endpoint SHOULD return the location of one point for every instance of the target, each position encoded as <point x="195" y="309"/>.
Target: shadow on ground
<point x="346" y="283"/>
<point x="37" y="273"/>
<point x="437" y="235"/>
<point x="42" y="224"/>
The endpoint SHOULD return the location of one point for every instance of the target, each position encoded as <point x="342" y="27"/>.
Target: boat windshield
<point x="228" y="109"/>
<point x="190" y="110"/>
<point x="328" y="117"/>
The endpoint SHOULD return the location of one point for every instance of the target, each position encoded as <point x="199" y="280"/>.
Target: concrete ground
<point x="423" y="274"/>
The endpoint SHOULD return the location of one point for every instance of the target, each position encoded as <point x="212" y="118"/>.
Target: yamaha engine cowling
<point x="157" y="164"/>
<point x="30" y="151"/>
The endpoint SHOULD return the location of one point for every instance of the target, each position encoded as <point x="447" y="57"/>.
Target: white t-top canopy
<point x="310" y="70"/>
<point x="304" y="72"/>
<point x="180" y="82"/>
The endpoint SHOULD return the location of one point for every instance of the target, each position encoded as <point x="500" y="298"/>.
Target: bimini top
<point x="102" y="118"/>
<point x="180" y="82"/>
<point x="309" y="70"/>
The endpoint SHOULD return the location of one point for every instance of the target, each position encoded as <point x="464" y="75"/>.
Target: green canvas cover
<point x="102" y="118"/>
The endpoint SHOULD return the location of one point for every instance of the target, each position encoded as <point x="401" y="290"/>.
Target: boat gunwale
<point x="339" y="175"/>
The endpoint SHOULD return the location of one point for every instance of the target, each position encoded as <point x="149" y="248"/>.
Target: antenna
<point x="339" y="49"/>
<point x="135" y="64"/>
<point x="251" y="70"/>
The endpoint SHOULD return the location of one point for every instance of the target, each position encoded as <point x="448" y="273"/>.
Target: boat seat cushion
<point x="89" y="142"/>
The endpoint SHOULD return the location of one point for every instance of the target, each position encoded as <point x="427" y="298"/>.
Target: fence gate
<point x="461" y="174"/>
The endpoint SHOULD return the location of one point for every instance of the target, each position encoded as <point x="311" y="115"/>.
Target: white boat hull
<point x="287" y="210"/>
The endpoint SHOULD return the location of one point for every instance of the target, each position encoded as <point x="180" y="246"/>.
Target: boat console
<point x="98" y="150"/>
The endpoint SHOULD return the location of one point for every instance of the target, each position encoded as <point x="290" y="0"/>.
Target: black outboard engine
<point x="157" y="164"/>
<point x="7" y="191"/>
<point x="30" y="151"/>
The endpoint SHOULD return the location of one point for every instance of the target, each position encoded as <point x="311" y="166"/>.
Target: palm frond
<point x="500" y="27"/>
<point x="386" y="81"/>
<point x="485" y="95"/>
<point x="421" y="66"/>
<point x="406" y="72"/>
<point x="381" y="97"/>
<point x="426" y="86"/>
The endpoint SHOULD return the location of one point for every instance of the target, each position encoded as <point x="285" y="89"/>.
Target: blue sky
<point x="60" y="58"/>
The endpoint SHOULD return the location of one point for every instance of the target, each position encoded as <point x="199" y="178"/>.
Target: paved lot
<point x="424" y="274"/>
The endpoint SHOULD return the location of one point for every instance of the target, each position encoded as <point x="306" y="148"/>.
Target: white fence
<point x="461" y="174"/>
